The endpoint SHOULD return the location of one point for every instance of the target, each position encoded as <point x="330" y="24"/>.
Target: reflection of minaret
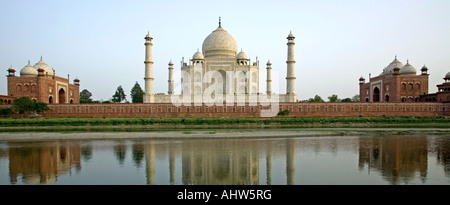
<point x="290" y="161"/>
<point x="172" y="164"/>
<point x="269" y="162"/>
<point x="150" y="162"/>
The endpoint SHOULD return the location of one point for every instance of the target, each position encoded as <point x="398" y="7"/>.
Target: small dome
<point x="43" y="65"/>
<point x="219" y="43"/>
<point x="28" y="71"/>
<point x="408" y="69"/>
<point x="290" y="35"/>
<point x="198" y="56"/>
<point x="424" y="68"/>
<point x="241" y="56"/>
<point x="394" y="64"/>
<point x="447" y="76"/>
<point x="11" y="69"/>
<point x="148" y="37"/>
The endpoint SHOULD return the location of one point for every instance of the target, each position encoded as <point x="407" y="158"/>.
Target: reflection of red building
<point x="397" y="83"/>
<point x="43" y="164"/>
<point x="41" y="84"/>
<point x="443" y="93"/>
<point x="397" y="158"/>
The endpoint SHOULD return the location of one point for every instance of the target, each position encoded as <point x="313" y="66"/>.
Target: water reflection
<point x="398" y="158"/>
<point x="42" y="162"/>
<point x="225" y="162"/>
<point x="395" y="159"/>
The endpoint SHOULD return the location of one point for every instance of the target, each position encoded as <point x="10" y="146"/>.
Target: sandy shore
<point x="151" y="135"/>
<point x="214" y="133"/>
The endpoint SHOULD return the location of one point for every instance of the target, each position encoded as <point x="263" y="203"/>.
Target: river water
<point x="323" y="160"/>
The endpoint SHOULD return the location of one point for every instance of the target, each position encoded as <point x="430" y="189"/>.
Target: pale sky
<point x="102" y="42"/>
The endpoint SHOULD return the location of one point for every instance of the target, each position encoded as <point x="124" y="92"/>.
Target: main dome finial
<point x="220" y="22"/>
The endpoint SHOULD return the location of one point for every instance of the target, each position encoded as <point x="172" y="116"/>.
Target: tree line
<point x="136" y="93"/>
<point x="333" y="98"/>
<point x="24" y="105"/>
<point x="137" y="96"/>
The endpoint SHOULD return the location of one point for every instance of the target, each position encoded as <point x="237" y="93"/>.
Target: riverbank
<point x="217" y="133"/>
<point x="276" y="122"/>
<point x="166" y="128"/>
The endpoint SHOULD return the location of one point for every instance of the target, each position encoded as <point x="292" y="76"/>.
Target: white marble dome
<point x="28" y="71"/>
<point x="43" y="65"/>
<point x="394" y="64"/>
<point x="219" y="43"/>
<point x="408" y="69"/>
<point x="198" y="56"/>
<point x="241" y="56"/>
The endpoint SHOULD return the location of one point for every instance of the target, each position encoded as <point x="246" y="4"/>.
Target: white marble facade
<point x="218" y="74"/>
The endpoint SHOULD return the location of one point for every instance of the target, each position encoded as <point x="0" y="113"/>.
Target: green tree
<point x="346" y="100"/>
<point x="27" y="106"/>
<point x="316" y="98"/>
<point x="355" y="98"/>
<point x="85" y="96"/>
<point x="40" y="107"/>
<point x="119" y="96"/>
<point x="23" y="105"/>
<point x="5" y="112"/>
<point x="333" y="98"/>
<point x="137" y="94"/>
<point x="284" y="112"/>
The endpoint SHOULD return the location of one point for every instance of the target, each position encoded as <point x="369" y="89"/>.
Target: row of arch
<point x="242" y="76"/>
<point x="26" y="88"/>
<point x="242" y="90"/>
<point x="377" y="97"/>
<point x="221" y="77"/>
<point x="5" y="101"/>
<point x="410" y="86"/>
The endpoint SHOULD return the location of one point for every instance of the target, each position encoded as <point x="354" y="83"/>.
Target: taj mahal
<point x="219" y="74"/>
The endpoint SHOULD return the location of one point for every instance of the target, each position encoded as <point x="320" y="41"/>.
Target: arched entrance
<point x="62" y="96"/>
<point x="50" y="100"/>
<point x="386" y="98"/>
<point x="376" y="95"/>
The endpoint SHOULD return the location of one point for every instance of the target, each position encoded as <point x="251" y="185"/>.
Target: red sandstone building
<point x="443" y="93"/>
<point x="397" y="83"/>
<point x="41" y="84"/>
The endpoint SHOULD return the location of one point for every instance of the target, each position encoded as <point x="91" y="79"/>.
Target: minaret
<point x="170" y="92"/>
<point x="149" y="95"/>
<point x="290" y="79"/>
<point x="269" y="78"/>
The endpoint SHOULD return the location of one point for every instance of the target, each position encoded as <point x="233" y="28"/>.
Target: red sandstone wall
<point x="296" y="109"/>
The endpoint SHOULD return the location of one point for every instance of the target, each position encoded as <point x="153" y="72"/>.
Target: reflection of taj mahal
<point x="219" y="73"/>
<point x="397" y="159"/>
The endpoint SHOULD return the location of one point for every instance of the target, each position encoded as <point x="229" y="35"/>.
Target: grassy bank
<point x="347" y="122"/>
